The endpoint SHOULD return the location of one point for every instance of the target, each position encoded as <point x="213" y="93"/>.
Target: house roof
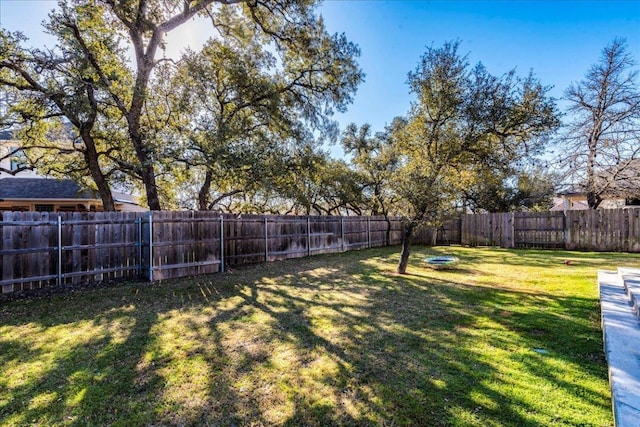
<point x="572" y="190"/>
<point x="43" y="188"/>
<point x="119" y="196"/>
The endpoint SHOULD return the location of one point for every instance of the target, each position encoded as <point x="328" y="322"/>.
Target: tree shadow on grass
<point x="403" y="371"/>
<point x="79" y="366"/>
<point x="546" y="335"/>
<point x="89" y="357"/>
<point x="333" y="340"/>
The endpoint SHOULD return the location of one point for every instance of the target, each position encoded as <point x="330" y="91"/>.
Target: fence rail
<point x="45" y="249"/>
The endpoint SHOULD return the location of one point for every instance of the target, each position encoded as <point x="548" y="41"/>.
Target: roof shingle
<point x="43" y="188"/>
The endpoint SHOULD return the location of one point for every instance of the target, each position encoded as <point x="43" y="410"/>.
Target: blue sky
<point x="558" y="40"/>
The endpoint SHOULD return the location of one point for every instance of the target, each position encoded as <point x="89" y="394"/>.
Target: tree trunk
<point x="387" y="235"/>
<point x="91" y="157"/>
<point x="203" y="194"/>
<point x="145" y="158"/>
<point x="144" y="154"/>
<point x="407" y="237"/>
<point x="90" y="152"/>
<point x="151" y="189"/>
<point x="593" y="200"/>
<point x="142" y="29"/>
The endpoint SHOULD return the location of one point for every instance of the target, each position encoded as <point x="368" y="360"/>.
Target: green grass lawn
<point x="509" y="338"/>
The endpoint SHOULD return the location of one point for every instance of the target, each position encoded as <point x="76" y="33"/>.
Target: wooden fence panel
<point x="539" y="230"/>
<point x="396" y="232"/>
<point x="160" y="224"/>
<point x="185" y="244"/>
<point x="616" y="229"/>
<point x="482" y="230"/>
<point x="355" y="233"/>
<point x="7" y="260"/>
<point x="449" y="233"/>
<point x="28" y="237"/>
<point x="35" y="237"/>
<point x="244" y="243"/>
<point x="97" y="246"/>
<point x="476" y="230"/>
<point x="378" y="227"/>
<point x="632" y="243"/>
<point x="578" y="229"/>
<point x="25" y="251"/>
<point x="131" y="235"/>
<point x="230" y="250"/>
<point x="96" y="232"/>
<point x="79" y="233"/>
<point x="325" y="235"/>
<point x="22" y="261"/>
<point x="508" y="230"/>
<point x="604" y="230"/>
<point x="287" y="237"/>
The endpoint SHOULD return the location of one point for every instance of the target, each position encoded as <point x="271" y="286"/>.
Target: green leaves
<point x="255" y="97"/>
<point x="465" y="126"/>
<point x="465" y="121"/>
<point x="268" y="79"/>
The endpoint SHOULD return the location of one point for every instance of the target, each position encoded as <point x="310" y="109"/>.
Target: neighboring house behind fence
<point x="576" y="200"/>
<point x="24" y="190"/>
<point x="619" y="186"/>
<point x="56" y="195"/>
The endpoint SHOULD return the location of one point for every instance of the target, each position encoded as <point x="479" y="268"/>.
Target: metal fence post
<point x="139" y="226"/>
<point x="342" y="233"/>
<point x="308" y="237"/>
<point x="369" y="232"/>
<point x="565" y="233"/>
<point x="151" y="246"/>
<point x="513" y="229"/>
<point x="221" y="244"/>
<point x="59" y="251"/>
<point x="266" y="240"/>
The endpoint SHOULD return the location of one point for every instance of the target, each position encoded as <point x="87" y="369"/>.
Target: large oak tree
<point x="55" y="93"/>
<point x="105" y="33"/>
<point x="463" y="119"/>
<point x="252" y="113"/>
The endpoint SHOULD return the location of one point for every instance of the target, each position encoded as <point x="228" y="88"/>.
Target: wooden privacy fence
<point x="48" y="249"/>
<point x="615" y="230"/>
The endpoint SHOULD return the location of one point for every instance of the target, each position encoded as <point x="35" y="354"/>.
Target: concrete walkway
<point x="621" y="329"/>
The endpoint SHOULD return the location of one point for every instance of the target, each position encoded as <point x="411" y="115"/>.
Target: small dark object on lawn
<point x="441" y="261"/>
<point x="567" y="262"/>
